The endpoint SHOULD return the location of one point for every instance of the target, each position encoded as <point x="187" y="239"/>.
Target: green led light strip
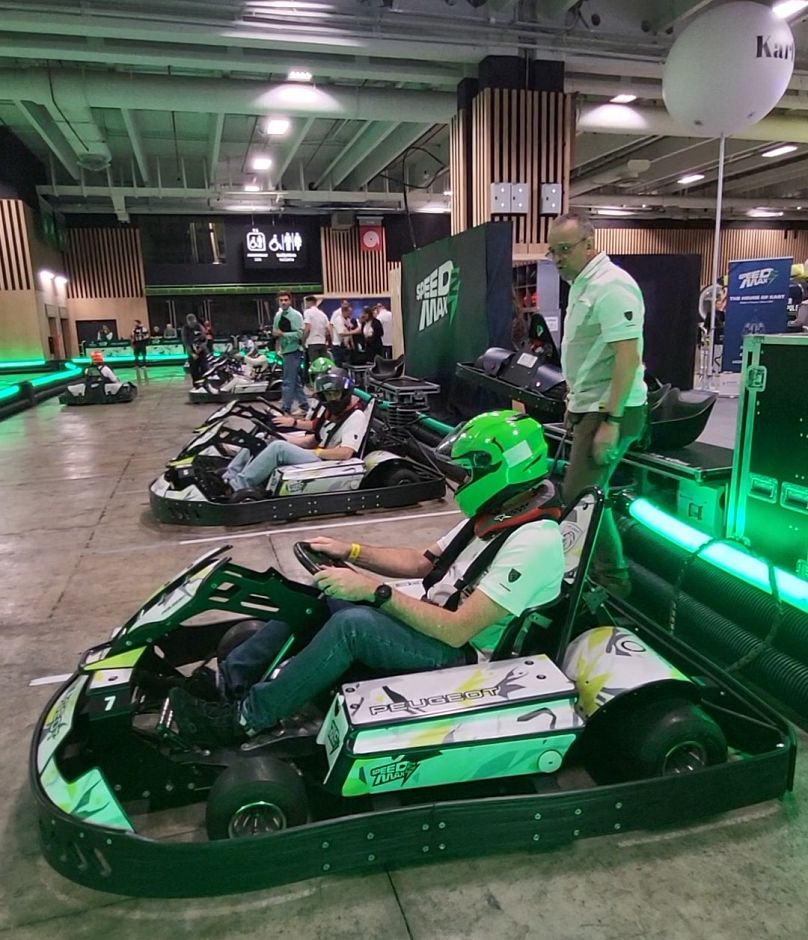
<point x="9" y="392"/>
<point x="793" y="590"/>
<point x="11" y="364"/>
<point x="54" y="377"/>
<point x="129" y="360"/>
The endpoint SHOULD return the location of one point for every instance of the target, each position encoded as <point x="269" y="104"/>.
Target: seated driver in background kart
<point x="103" y="369"/>
<point x="477" y="578"/>
<point x="335" y="434"/>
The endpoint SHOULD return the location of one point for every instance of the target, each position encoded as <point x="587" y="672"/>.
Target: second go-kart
<point x="582" y="723"/>
<point x="253" y="375"/>
<point x="98" y="386"/>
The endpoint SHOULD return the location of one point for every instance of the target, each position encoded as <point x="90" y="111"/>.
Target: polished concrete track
<point x="79" y="551"/>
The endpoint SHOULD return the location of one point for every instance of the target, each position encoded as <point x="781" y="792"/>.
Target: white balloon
<point x="729" y="68"/>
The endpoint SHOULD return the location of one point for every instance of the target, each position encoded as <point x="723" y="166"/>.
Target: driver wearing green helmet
<point x="505" y="557"/>
<point x="320" y="366"/>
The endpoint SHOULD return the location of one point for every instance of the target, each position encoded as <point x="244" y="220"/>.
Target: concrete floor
<point x="79" y="552"/>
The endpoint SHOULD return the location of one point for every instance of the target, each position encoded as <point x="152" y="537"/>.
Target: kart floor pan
<point x="285" y="508"/>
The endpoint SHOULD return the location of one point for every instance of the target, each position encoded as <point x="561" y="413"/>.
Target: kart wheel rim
<point x="259" y="818"/>
<point x="684" y="759"/>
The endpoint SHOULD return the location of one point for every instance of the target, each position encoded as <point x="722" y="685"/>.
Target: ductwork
<point x="630" y="170"/>
<point x="77" y="92"/>
<point x="626" y="119"/>
<point x="621" y="200"/>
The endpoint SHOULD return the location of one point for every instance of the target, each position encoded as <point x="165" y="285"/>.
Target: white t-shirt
<point x="385" y="317"/>
<point x="605" y="306"/>
<point x="526" y="572"/>
<point x="350" y="433"/>
<point x="336" y="327"/>
<point x="317" y="322"/>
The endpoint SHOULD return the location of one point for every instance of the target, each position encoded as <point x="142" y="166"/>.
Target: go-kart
<point x="233" y="378"/>
<point x="582" y="723"/>
<point x="191" y="491"/>
<point x="94" y="389"/>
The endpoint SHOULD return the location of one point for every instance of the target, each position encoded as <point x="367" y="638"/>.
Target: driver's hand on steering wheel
<point x="334" y="548"/>
<point x="285" y="421"/>
<point x="345" y="584"/>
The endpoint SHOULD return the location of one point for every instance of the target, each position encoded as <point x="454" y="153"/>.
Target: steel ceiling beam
<point x="292" y="147"/>
<point x="215" y="128"/>
<point x="47" y="129"/>
<point x="136" y="140"/>
<point x="402" y="137"/>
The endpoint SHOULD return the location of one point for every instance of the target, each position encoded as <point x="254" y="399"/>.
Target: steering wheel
<point x="314" y="561"/>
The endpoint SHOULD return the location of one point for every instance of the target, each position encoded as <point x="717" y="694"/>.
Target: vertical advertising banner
<point x="757" y="302"/>
<point x="456" y="300"/>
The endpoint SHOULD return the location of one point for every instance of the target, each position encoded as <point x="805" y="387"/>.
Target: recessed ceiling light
<point x="613" y="212"/>
<point x="780" y="151"/>
<point x="447" y="192"/>
<point x="761" y="213"/>
<point x="277" y="127"/>
<point x="627" y="99"/>
<point x="262" y="163"/>
<point x="299" y="75"/>
<point x="690" y="178"/>
<point x="787" y="8"/>
<point x="252" y="188"/>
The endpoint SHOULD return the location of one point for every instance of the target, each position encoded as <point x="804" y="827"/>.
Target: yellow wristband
<point x="353" y="554"/>
<point x="318" y="451"/>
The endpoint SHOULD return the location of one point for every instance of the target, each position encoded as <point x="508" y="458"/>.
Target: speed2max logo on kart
<point x="438" y="293"/>
<point x="396" y="770"/>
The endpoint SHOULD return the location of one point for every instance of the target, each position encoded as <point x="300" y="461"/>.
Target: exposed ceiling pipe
<point x="630" y="170"/>
<point x="228" y="96"/>
<point x="622" y="119"/>
<point x="622" y="201"/>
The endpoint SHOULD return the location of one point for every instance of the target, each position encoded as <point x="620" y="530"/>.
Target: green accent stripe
<point x="175" y="290"/>
<point x="120" y="661"/>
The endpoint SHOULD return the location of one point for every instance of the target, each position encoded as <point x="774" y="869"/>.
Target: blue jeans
<point x="243" y="471"/>
<point x="292" y="382"/>
<point x="352" y="634"/>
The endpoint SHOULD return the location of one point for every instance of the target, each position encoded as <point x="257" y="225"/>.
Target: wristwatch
<point x="381" y="595"/>
<point x="614" y="419"/>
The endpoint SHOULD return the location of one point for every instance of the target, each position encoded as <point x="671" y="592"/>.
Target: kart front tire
<point x="671" y="736"/>
<point x="237" y="634"/>
<point x="256" y="796"/>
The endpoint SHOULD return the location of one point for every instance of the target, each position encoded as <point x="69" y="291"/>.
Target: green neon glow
<point x="9" y="392"/>
<point x="53" y="377"/>
<point x="129" y="360"/>
<point x="11" y="364"/>
<point x="793" y="590"/>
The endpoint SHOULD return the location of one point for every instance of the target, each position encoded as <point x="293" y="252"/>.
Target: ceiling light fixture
<point x="627" y="99"/>
<point x="261" y="163"/>
<point x="780" y="151"/>
<point x="299" y="75"/>
<point x="787" y="8"/>
<point x="277" y="127"/>
<point x="762" y="213"/>
<point x="447" y="192"/>
<point x="252" y="188"/>
<point x="616" y="213"/>
<point x="690" y="178"/>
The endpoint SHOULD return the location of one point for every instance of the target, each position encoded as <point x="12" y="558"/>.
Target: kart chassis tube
<point x="129" y="864"/>
<point x="283" y="508"/>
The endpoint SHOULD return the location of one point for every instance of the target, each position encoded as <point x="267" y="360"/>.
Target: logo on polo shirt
<point x="514" y="575"/>
<point x="438" y="294"/>
<point x="629" y="314"/>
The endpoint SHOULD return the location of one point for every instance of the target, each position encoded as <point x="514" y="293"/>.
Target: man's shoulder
<point x="609" y="274"/>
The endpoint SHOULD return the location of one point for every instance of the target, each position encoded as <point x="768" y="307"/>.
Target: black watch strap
<point x="382" y="594"/>
<point x="614" y="419"/>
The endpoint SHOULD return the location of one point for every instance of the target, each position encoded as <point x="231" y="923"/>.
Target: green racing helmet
<point x="320" y="366"/>
<point x="502" y="452"/>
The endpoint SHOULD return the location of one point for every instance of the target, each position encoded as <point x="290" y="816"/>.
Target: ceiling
<point x="163" y="105"/>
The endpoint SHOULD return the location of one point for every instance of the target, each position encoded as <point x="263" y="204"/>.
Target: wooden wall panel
<point x="104" y="262"/>
<point x="349" y="270"/>
<point x="459" y="177"/>
<point x="15" y="256"/>
<point x="736" y="244"/>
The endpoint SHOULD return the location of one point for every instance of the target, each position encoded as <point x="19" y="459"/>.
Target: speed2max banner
<point x="757" y="302"/>
<point x="456" y="300"/>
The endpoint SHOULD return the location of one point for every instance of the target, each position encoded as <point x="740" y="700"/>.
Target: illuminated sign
<point x="274" y="248"/>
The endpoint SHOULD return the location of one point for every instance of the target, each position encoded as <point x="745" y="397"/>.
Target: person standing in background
<point x="196" y="346"/>
<point x="385" y="317"/>
<point x="601" y="359"/>
<point x="316" y="331"/>
<point x="139" y="337"/>
<point x="287" y="328"/>
<point x="372" y="333"/>
<point x="105" y="334"/>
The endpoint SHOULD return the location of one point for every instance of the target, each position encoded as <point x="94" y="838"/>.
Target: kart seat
<point x="387" y="368"/>
<point x="579" y="526"/>
<point x="678" y="418"/>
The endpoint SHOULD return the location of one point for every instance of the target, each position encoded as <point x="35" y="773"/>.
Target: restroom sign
<point x="274" y="247"/>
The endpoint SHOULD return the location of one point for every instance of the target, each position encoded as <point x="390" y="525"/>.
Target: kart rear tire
<point x="256" y="796"/>
<point x="237" y="634"/>
<point x="667" y="737"/>
<point x="397" y="476"/>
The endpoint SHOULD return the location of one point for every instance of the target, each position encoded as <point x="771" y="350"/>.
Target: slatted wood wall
<point x="15" y="256"/>
<point x="104" y="262"/>
<point x="736" y="244"/>
<point x="459" y="172"/>
<point x="349" y="270"/>
<point x="521" y="137"/>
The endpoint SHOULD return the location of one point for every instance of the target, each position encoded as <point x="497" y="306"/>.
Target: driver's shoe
<point x="206" y="724"/>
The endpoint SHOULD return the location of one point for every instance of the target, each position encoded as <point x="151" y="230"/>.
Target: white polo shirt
<point x="605" y="306"/>
<point x="385" y="317"/>
<point x="526" y="572"/>
<point x="317" y="322"/>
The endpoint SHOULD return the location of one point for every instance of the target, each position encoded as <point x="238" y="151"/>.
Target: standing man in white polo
<point x="316" y="331"/>
<point x="601" y="358"/>
<point x="385" y="317"/>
